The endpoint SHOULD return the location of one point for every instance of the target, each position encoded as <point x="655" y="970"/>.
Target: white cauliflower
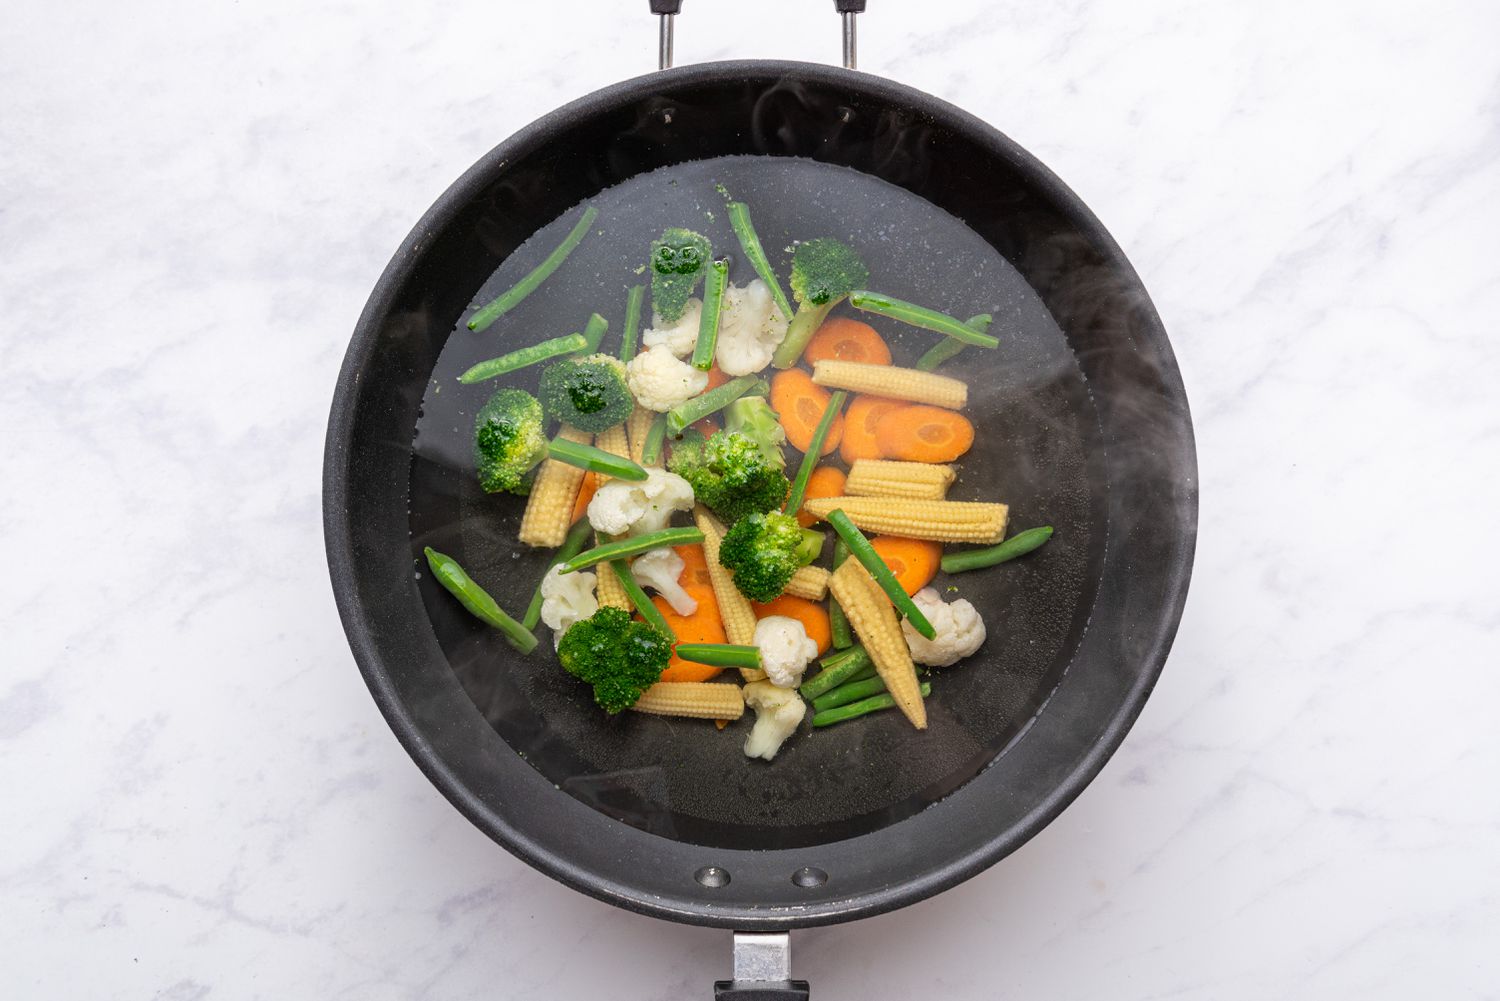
<point x="566" y="598"/>
<point x="750" y="329"/>
<point x="959" y="629"/>
<point x="635" y="507"/>
<point x="659" y="381"/>
<point x="660" y="569"/>
<point x="778" y="711"/>
<point x="785" y="649"/>
<point x="679" y="337"/>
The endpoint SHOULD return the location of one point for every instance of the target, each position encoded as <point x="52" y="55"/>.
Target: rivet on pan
<point x="809" y="876"/>
<point x="845" y="113"/>
<point x="712" y="876"/>
<point x="666" y="115"/>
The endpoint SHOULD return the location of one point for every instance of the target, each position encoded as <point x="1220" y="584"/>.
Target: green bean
<point x="836" y="672"/>
<point x="699" y="407"/>
<point x="921" y="316"/>
<point x="524" y="357"/>
<point x="632" y="322"/>
<point x="739" y="218"/>
<point x="861" y="549"/>
<point x="595" y="460"/>
<point x="708" y="323"/>
<point x="510" y="298"/>
<point x="638" y="598"/>
<point x="849" y="691"/>
<point x="948" y="347"/>
<point x="621" y="548"/>
<point x="656" y="436"/>
<point x="874" y="703"/>
<point x="571" y="547"/>
<point x="1017" y="545"/>
<point x="477" y="600"/>
<point x="721" y="654"/>
<point x="838" y="623"/>
<point x="814" y="449"/>
<point x="593" y="333"/>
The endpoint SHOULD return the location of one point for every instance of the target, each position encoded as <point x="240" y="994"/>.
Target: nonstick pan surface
<point x="1083" y="425"/>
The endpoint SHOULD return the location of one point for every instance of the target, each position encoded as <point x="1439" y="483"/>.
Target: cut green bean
<point x="739" y="218"/>
<point x="638" y="597"/>
<point x="595" y="460"/>
<point x="713" y="308"/>
<point x="632" y="332"/>
<point x="656" y="436"/>
<point x="839" y="656"/>
<point x="836" y="673"/>
<point x="510" y="298"/>
<point x="838" y="623"/>
<point x="849" y="691"/>
<point x="477" y="600"/>
<point x="1017" y="545"/>
<point x="571" y="547"/>
<point x="721" y="654"/>
<point x="921" y="316"/>
<point x="860" y="549"/>
<point x="874" y="703"/>
<point x="593" y="333"/>
<point x="949" y="347"/>
<point x="814" y="451"/>
<point x="699" y="407"/>
<point x="622" y="548"/>
<point x="526" y="356"/>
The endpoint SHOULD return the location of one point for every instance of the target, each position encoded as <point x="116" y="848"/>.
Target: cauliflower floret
<point x="659" y="381"/>
<point x="778" y="711"/>
<point x="959" y="629"/>
<point x="679" y="337"/>
<point x="785" y="649"/>
<point x="659" y="569"/>
<point x="750" y="329"/>
<point x="635" y="507"/>
<point x="566" y="598"/>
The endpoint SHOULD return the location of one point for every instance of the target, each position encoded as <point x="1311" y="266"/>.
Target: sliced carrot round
<point x="704" y="626"/>
<point x="847" y="340"/>
<point x="716" y="378"/>
<point x="800" y="405"/>
<point x="826" y="481"/>
<point x="812" y="614"/>
<point x="860" y="421"/>
<point x="913" y="561"/>
<point x="924" y="434"/>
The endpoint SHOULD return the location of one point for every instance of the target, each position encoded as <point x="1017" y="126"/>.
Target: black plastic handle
<point x="849" y="6"/>
<point x="666" y="6"/>
<point x="760" y="990"/>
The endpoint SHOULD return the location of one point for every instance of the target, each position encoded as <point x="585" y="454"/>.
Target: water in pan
<point x="683" y="778"/>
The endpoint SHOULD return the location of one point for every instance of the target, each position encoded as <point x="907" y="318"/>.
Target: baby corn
<point x="883" y="478"/>
<point x="637" y="425"/>
<point x="896" y="383"/>
<point x="808" y="582"/>
<point x="549" y="508"/>
<point x="699" y="699"/>
<point x="874" y="618"/>
<point x="938" y="520"/>
<point x="734" y="607"/>
<point x="609" y="590"/>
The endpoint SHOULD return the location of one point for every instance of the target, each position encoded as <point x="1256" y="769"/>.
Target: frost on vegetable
<point x="679" y="259"/>
<point x="508" y="441"/>
<point x="589" y="393"/>
<point x="661" y="381"/>
<point x="678" y="335"/>
<point x="750" y="329"/>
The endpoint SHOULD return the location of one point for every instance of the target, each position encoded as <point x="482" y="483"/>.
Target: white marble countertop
<point x="201" y="800"/>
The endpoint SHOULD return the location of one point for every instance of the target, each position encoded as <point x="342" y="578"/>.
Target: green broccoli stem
<point x="533" y="355"/>
<point x="595" y="460"/>
<point x="806" y="323"/>
<point x="836" y="671"/>
<point x="814" y="451"/>
<point x="860" y="549"/>
<point x="849" y="691"/>
<point x="948" y="347"/>
<point x="571" y="547"/>
<point x="739" y="219"/>
<point x="656" y="436"/>
<point x="638" y="598"/>
<point x="721" y="654"/>
<point x="1017" y="545"/>
<point x="510" y="298"/>
<point x="632" y="330"/>
<point x="811" y="546"/>
<point x="593" y="333"/>
<point x="699" y="407"/>
<point x="621" y="548"/>
<point x="708" y="323"/>
<point x="838" y="623"/>
<point x="921" y="316"/>
<point x="477" y="600"/>
<point x="874" y="703"/>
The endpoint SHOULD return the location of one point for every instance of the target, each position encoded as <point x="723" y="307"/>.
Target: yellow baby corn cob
<point x="613" y="441"/>
<point x="938" y="520"/>
<point x="637" y="426"/>
<point x="808" y="582"/>
<point x="700" y="699"/>
<point x="874" y="619"/>
<point x="884" y="478"/>
<point x="549" y="508"/>
<point x="896" y="383"/>
<point x="609" y="590"/>
<point x="734" y="608"/>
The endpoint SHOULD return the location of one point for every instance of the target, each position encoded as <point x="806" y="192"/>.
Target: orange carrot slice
<point x="716" y="378"/>
<point x="585" y="494"/>
<point x="860" y="421"/>
<point x="812" y="614"/>
<point x="800" y="405"/>
<point x="924" y="434"/>
<point x="847" y="340"/>
<point x="703" y="626"/>
<point x="913" y="561"/>
<point x="826" y="481"/>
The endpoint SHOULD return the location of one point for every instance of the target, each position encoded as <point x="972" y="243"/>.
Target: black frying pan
<point x="1090" y="433"/>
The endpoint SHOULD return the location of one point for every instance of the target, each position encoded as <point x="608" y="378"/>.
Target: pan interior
<point x="1035" y="449"/>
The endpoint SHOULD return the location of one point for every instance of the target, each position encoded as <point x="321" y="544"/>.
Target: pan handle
<point x="762" y="970"/>
<point x="667" y="11"/>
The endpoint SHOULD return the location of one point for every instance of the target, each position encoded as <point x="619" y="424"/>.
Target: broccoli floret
<point x="620" y="657"/>
<point x="731" y="474"/>
<point x="686" y="451"/>
<point x="753" y="417"/>
<point x="811" y="546"/>
<point x="587" y="393"/>
<point x="508" y="441"/>
<point x="679" y="260"/>
<point x="761" y="551"/>
<point x="823" y="272"/>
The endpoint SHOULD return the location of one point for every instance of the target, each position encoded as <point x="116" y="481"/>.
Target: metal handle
<point x="667" y="11"/>
<point x="762" y="970"/>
